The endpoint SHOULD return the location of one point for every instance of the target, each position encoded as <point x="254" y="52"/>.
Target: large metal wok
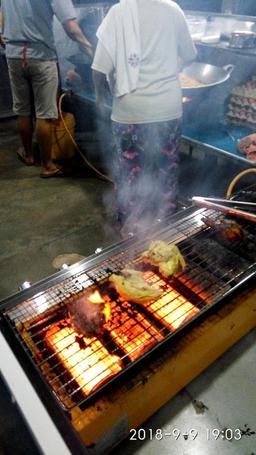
<point x="207" y="76"/>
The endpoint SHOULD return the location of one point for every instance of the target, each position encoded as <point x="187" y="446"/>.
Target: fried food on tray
<point x="189" y="82"/>
<point x="131" y="285"/>
<point x="167" y="257"/>
<point x="228" y="229"/>
<point x="88" y="317"/>
<point x="247" y="145"/>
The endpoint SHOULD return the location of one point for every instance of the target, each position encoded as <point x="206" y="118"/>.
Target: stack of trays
<point x="242" y="105"/>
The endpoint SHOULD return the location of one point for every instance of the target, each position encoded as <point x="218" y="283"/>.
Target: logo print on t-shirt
<point x="134" y="60"/>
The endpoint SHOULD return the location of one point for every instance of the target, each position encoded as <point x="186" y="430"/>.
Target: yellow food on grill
<point x="131" y="285"/>
<point x="167" y="257"/>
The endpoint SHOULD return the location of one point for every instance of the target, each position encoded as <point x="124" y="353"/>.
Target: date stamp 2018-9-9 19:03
<point x="190" y="434"/>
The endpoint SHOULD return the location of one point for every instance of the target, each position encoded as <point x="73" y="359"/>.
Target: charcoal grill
<point x="74" y="371"/>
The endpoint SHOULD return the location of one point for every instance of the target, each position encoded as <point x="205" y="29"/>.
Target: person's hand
<point x="87" y="48"/>
<point x="90" y="51"/>
<point x="75" y="33"/>
<point x="73" y="79"/>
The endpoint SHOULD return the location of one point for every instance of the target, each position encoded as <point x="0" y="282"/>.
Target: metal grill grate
<point x="75" y="366"/>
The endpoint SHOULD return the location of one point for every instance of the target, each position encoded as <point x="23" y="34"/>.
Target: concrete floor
<point x="44" y="218"/>
<point x="225" y="398"/>
<point x="41" y="219"/>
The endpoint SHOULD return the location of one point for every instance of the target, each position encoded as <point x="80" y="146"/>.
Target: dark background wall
<point x="201" y="5"/>
<point x="244" y="7"/>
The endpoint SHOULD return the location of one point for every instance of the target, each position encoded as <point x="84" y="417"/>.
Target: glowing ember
<point x="134" y="334"/>
<point x="172" y="307"/>
<point x="89" y="366"/>
<point x="132" y="331"/>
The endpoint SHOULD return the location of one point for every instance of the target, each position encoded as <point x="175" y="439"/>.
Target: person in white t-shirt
<point x="142" y="46"/>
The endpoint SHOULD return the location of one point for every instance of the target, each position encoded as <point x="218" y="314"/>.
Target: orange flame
<point x="96" y="298"/>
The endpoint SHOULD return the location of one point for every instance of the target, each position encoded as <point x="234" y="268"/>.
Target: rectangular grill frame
<point x="177" y="236"/>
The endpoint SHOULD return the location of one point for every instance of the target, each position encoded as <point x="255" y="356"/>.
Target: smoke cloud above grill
<point x="144" y="170"/>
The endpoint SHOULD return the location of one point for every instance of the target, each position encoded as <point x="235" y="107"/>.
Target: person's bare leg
<point x="25" y="126"/>
<point x="44" y="138"/>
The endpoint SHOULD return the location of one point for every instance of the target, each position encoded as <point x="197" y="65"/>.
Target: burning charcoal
<point x="228" y="229"/>
<point x="131" y="285"/>
<point x="88" y="314"/>
<point x="165" y="256"/>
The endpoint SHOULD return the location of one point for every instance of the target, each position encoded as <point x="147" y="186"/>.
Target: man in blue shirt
<point x="32" y="63"/>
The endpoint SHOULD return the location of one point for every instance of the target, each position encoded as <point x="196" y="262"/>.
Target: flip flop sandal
<point x="22" y="157"/>
<point x="55" y="173"/>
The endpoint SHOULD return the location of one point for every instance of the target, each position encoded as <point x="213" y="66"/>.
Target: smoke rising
<point x="143" y="164"/>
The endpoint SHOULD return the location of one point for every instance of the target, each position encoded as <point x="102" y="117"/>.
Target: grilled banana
<point x="131" y="285"/>
<point x="167" y="257"/>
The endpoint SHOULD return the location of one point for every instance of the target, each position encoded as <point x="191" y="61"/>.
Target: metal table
<point x="220" y="140"/>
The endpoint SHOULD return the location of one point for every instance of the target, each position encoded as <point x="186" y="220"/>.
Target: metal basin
<point x="208" y="75"/>
<point x="242" y="39"/>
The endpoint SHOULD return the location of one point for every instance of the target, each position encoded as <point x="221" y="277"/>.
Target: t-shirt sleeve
<point x="64" y="10"/>
<point x="102" y="61"/>
<point x="186" y="48"/>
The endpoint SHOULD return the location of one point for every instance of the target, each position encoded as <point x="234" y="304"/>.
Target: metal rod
<point x="250" y="205"/>
<point x="202" y="202"/>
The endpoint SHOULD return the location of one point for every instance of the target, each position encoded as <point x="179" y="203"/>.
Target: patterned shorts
<point x="145" y="171"/>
